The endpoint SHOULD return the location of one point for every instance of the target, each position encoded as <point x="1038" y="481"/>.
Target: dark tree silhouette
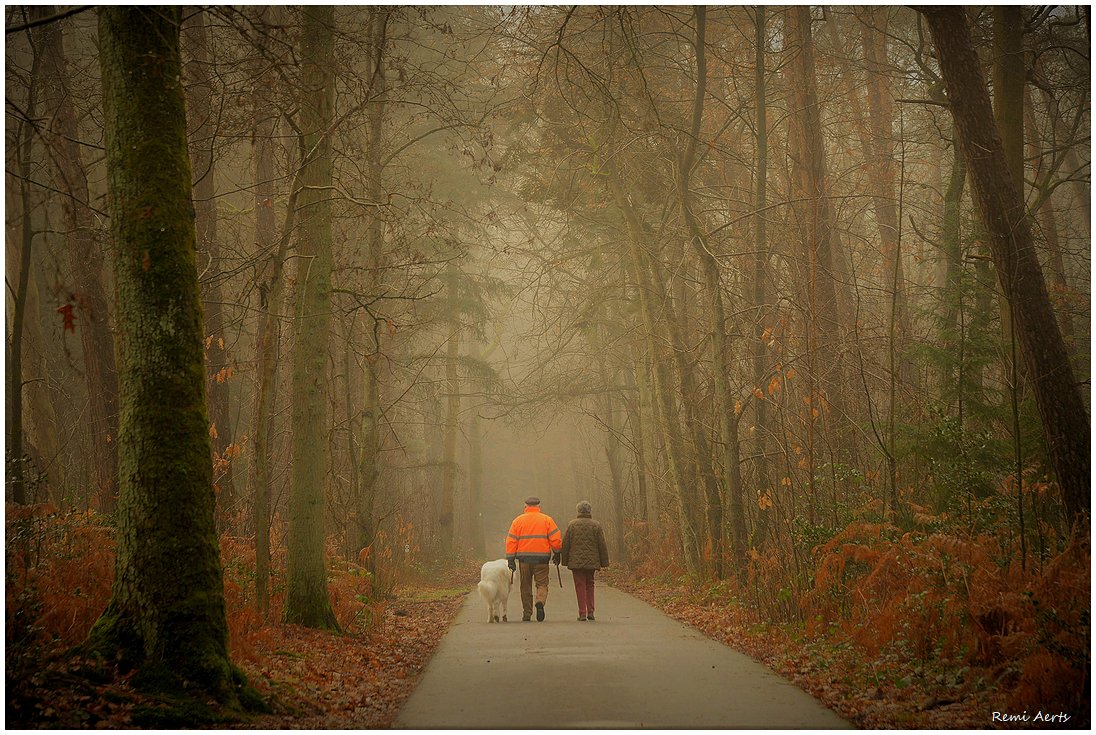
<point x="166" y="615"/>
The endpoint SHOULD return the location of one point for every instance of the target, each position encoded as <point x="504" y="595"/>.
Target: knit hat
<point x="584" y="508"/>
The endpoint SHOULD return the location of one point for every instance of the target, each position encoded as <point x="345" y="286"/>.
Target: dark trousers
<point x="532" y="573"/>
<point x="584" y="590"/>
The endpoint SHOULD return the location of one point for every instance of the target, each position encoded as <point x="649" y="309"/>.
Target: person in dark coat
<point x="584" y="552"/>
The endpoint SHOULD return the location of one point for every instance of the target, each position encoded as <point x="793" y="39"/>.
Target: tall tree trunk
<point x="1048" y="219"/>
<point x="199" y="84"/>
<point x="1008" y="115"/>
<point x="646" y="436"/>
<point x="476" y="541"/>
<point x="824" y="323"/>
<point x="612" y="449"/>
<point x="164" y="616"/>
<point x="1061" y="136"/>
<point x="371" y="443"/>
<point x="268" y="339"/>
<point x="452" y="415"/>
<point x="882" y="175"/>
<point x="954" y="323"/>
<point x="669" y="421"/>
<point x="1008" y="86"/>
<point x="675" y="322"/>
<point x="43" y="431"/>
<point x="306" y="600"/>
<point x="92" y="307"/>
<point x="1061" y="405"/>
<point x="761" y="365"/>
<point x="639" y="442"/>
<point x="13" y="429"/>
<point x="724" y="407"/>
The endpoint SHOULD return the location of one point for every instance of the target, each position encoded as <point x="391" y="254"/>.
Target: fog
<point x="723" y="272"/>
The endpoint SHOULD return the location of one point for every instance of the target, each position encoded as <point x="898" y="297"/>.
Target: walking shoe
<point x="540" y="611"/>
<point x="525" y="619"/>
<point x="590" y="617"/>
<point x="582" y="618"/>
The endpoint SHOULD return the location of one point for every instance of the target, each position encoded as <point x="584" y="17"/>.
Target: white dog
<point x="494" y="587"/>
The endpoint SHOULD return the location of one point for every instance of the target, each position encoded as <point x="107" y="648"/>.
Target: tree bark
<point x="13" y="429"/>
<point x="446" y="517"/>
<point x="1061" y="405"/>
<point x="164" y="616"/>
<point x="476" y="541"/>
<point x="1046" y="214"/>
<point x="669" y="421"/>
<point x="824" y="323"/>
<point x="761" y="363"/>
<point x="612" y="445"/>
<point x="92" y="306"/>
<point x="202" y="135"/>
<point x="307" y="600"/>
<point x="724" y="407"/>
<point x="634" y="406"/>
<point x="882" y="175"/>
<point x="369" y="456"/>
<point x="954" y="322"/>
<point x="268" y="338"/>
<point x="1008" y="86"/>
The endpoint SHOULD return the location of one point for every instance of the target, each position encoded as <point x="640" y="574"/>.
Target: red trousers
<point x="584" y="590"/>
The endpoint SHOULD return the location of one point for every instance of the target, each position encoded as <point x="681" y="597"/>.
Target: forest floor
<point x="317" y="680"/>
<point x="361" y="677"/>
<point x="839" y="675"/>
<point x="358" y="678"/>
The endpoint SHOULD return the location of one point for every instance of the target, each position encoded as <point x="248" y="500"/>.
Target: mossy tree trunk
<point x="306" y="600"/>
<point x="166" y="614"/>
<point x="1057" y="393"/>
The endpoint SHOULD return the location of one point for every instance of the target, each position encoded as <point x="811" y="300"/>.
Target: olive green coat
<point x="584" y="545"/>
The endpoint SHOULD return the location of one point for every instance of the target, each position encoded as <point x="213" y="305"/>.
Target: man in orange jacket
<point x="534" y="538"/>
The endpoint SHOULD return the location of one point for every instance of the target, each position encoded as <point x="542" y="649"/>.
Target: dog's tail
<point x="485" y="591"/>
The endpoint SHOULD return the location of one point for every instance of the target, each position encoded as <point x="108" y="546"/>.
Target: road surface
<point x="634" y="667"/>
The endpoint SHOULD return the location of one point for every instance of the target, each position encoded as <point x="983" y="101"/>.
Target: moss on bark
<point x="166" y="616"/>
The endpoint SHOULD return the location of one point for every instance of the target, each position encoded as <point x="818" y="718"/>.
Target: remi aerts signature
<point x="1040" y="716"/>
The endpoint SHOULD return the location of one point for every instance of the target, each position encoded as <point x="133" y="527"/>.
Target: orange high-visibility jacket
<point x="533" y="537"/>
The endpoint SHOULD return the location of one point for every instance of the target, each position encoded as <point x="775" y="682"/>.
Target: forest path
<point x="633" y="667"/>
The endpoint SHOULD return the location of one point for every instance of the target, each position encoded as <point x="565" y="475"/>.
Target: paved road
<point x="634" y="667"/>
